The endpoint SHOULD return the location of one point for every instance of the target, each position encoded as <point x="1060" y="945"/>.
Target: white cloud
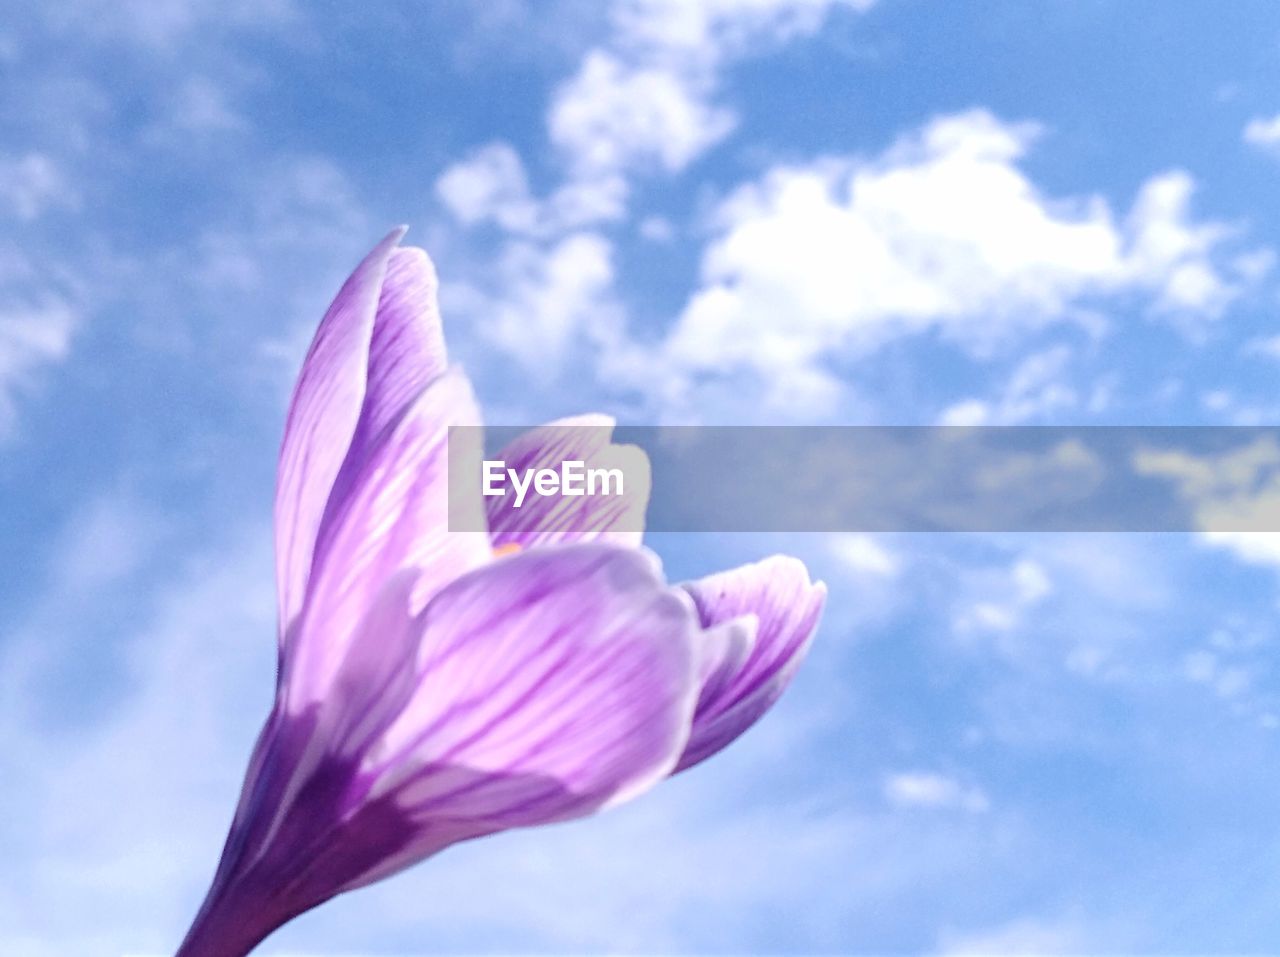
<point x="1256" y="548"/>
<point x="1031" y="580"/>
<point x="648" y="97"/>
<point x="1170" y="255"/>
<point x="124" y="814"/>
<point x="549" y="293"/>
<point x="643" y="101"/>
<point x="294" y="208"/>
<point x="967" y="412"/>
<point x="33" y="334"/>
<point x="613" y="116"/>
<point x="276" y="248"/>
<point x="601" y="197"/>
<point x="1203" y="667"/>
<point x="942" y="232"/>
<point x="1268" y="346"/>
<point x="1017" y="938"/>
<point x="198" y="107"/>
<point x="715" y="29"/>
<point x="490" y="185"/>
<point x="996" y="602"/>
<point x="1037" y="388"/>
<point x="1234" y="496"/>
<point x="927" y="789"/>
<point x="31" y="184"/>
<point x="863" y="553"/>
<point x="1264" y="133"/>
<point x="1229" y="665"/>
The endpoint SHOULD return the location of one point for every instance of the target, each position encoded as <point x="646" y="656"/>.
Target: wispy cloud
<point x="1234" y="495"/>
<point x="1264" y="133"/>
<point x="1038" y="387"/>
<point x="32" y="183"/>
<point x="643" y="103"/>
<point x="549" y="295"/>
<point x="866" y="554"/>
<point x="933" y="790"/>
<point x="1022" y="936"/>
<point x="32" y="336"/>
<point x="126" y="817"/>
<point x="944" y="232"/>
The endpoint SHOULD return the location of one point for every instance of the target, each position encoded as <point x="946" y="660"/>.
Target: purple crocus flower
<point x="436" y="686"/>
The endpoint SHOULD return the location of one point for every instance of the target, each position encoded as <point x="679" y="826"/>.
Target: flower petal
<point x="406" y="352"/>
<point x="725" y="649"/>
<point x="551" y="684"/>
<point x="559" y="519"/>
<point x="323" y="414"/>
<point x="740" y="683"/>
<point x="407" y="349"/>
<point x="298" y="786"/>
<point x="377" y="347"/>
<point x="395" y="517"/>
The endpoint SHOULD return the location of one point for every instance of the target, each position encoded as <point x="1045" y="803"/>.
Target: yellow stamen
<point x="502" y="551"/>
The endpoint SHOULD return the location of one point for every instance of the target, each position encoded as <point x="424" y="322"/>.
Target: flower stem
<point x="228" y="925"/>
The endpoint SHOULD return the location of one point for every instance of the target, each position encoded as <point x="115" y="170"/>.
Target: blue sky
<point x="729" y="211"/>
